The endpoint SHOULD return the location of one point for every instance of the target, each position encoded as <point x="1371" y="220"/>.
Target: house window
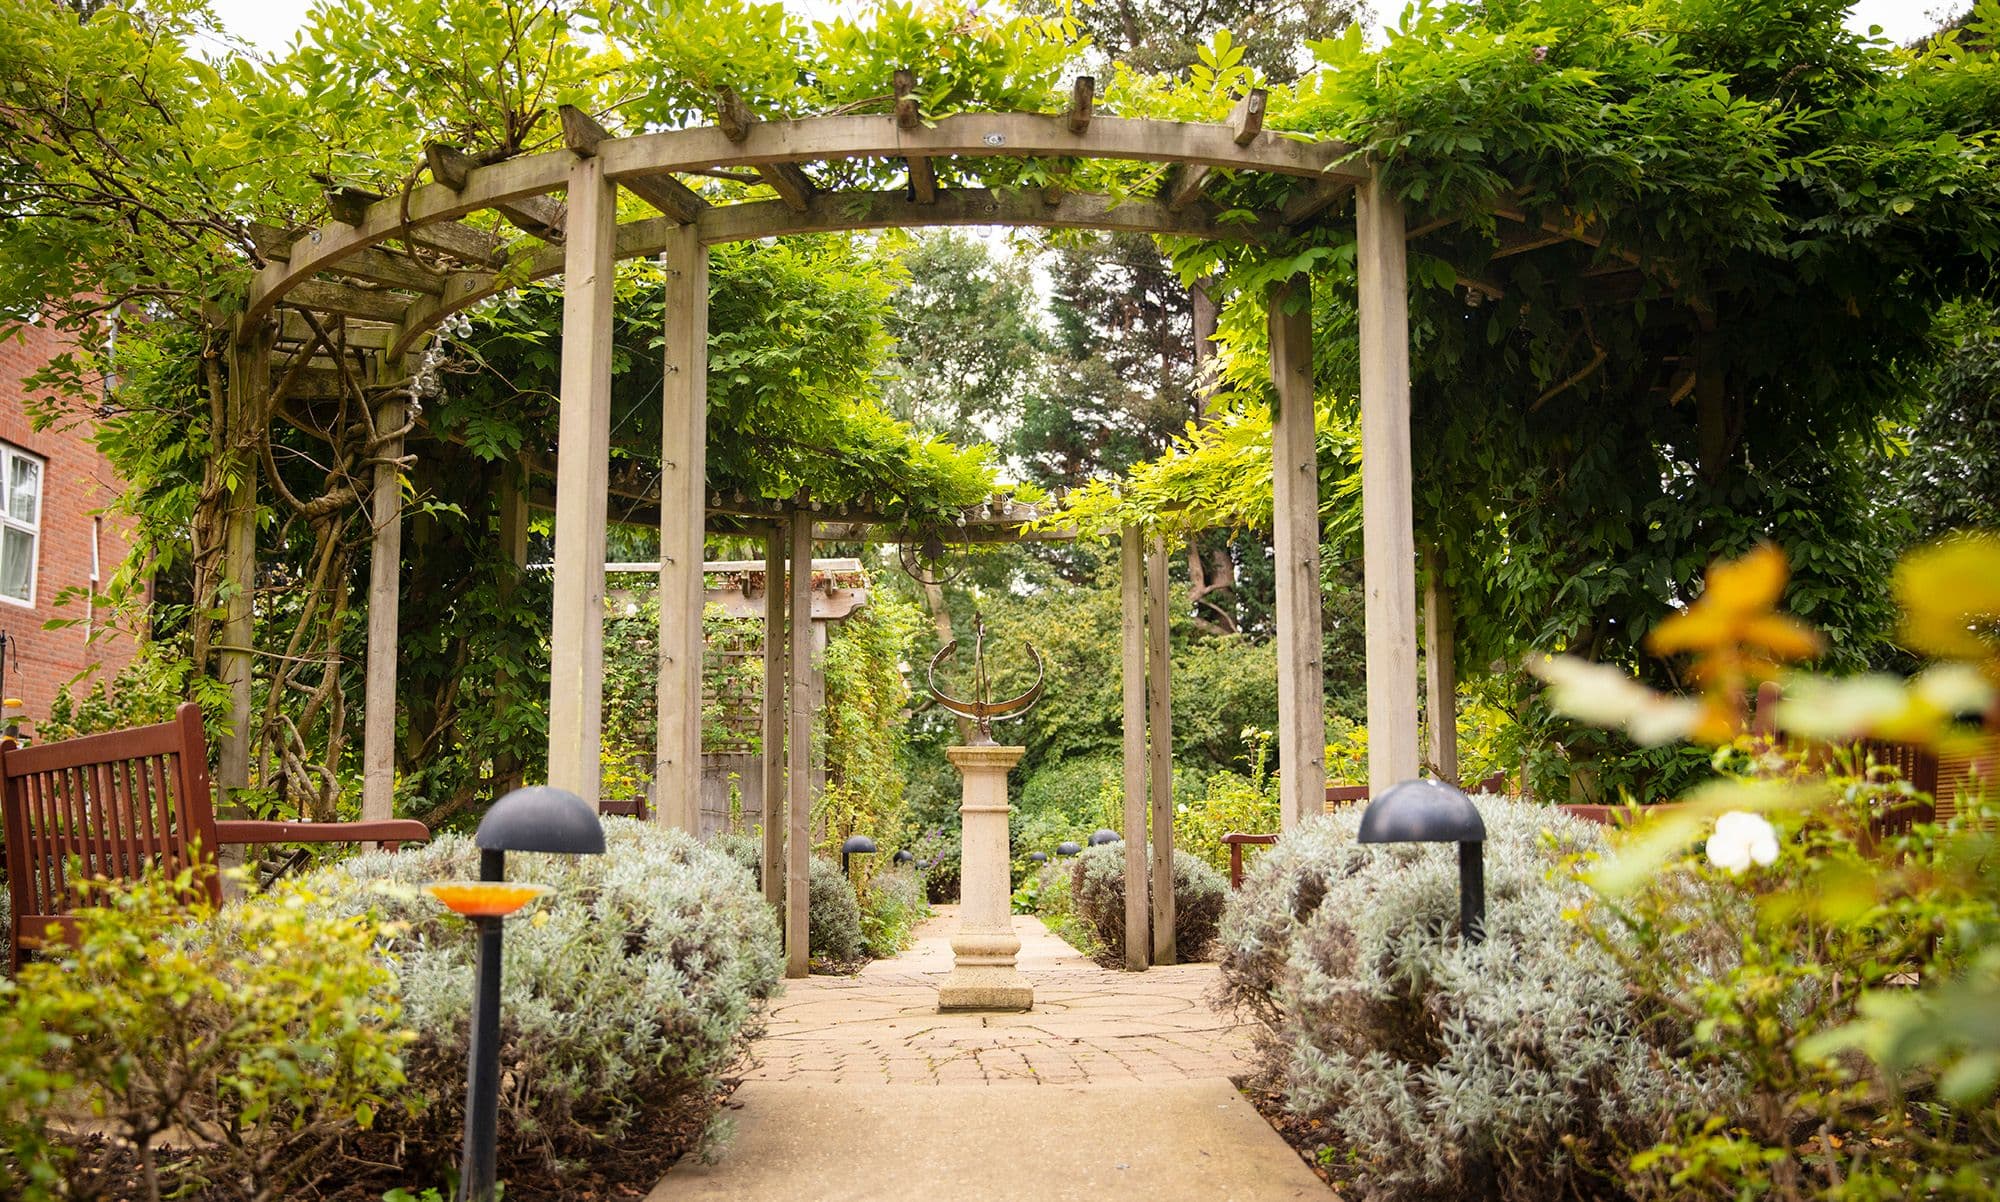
<point x="20" y="523"/>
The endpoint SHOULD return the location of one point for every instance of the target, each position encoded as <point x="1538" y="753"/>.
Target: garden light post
<point x="856" y="845"/>
<point x="1429" y="811"/>
<point x="535" y="819"/>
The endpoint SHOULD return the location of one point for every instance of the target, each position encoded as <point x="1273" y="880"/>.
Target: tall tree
<point x="1163" y="36"/>
<point x="966" y="341"/>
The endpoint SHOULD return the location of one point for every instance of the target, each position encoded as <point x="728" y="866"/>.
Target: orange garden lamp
<point x="537" y="819"/>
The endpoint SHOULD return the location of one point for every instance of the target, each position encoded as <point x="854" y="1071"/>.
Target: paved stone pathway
<point x="859" y="1089"/>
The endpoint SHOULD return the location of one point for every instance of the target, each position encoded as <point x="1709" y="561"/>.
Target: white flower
<point x="1741" y="839"/>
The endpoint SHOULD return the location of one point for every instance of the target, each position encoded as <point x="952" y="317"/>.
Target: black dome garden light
<point x="1103" y="835"/>
<point x="542" y="819"/>
<point x="856" y="845"/>
<point x="1038" y="857"/>
<point x="1067" y="849"/>
<point x="1429" y="811"/>
<point x="903" y="857"/>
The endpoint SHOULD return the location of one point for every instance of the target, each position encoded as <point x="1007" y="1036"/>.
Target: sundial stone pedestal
<point x="983" y="976"/>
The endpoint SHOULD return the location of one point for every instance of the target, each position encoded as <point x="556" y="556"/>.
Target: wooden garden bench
<point x="118" y="805"/>
<point x="1336" y="795"/>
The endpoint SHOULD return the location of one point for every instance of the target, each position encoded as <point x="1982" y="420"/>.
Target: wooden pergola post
<point x="583" y="455"/>
<point x="1440" y="670"/>
<point x="1132" y="629"/>
<point x="1160" y="749"/>
<point x="385" y="561"/>
<point x="683" y="513"/>
<point x="773" y="858"/>
<point x="1295" y="535"/>
<point x="235" y="654"/>
<point x="798" y="745"/>
<point x="1388" y="538"/>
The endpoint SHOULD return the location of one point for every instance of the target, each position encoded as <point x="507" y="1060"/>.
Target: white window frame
<point x="8" y="453"/>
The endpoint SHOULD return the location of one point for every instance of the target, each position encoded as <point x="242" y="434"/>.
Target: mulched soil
<point x="626" y="1170"/>
<point x="1308" y="1137"/>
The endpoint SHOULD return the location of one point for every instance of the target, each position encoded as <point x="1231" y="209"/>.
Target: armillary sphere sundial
<point x="982" y="709"/>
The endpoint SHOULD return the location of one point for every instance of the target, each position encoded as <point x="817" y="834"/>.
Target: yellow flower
<point x="1731" y="627"/>
<point x="1950" y="596"/>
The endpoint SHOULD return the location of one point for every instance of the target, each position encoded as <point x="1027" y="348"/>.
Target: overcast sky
<point x="270" y="24"/>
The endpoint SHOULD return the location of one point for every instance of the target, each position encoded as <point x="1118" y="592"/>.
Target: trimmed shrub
<point x="1517" y="1068"/>
<point x="892" y="904"/>
<point x="745" y="848"/>
<point x="833" y="914"/>
<point x="627" y="993"/>
<point x="1097" y="891"/>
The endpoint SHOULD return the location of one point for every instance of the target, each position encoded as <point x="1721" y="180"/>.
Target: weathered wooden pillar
<point x="798" y="745"/>
<point x="773" y="858"/>
<point x="1132" y="667"/>
<point x="1295" y="536"/>
<point x="1160" y="749"/>
<point x="385" y="561"/>
<point x="683" y="514"/>
<point x="583" y="453"/>
<point x="236" y="642"/>
<point x="1388" y="537"/>
<point x="1440" y="670"/>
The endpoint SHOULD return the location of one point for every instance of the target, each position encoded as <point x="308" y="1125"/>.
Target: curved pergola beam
<point x="633" y="161"/>
<point x="830" y="211"/>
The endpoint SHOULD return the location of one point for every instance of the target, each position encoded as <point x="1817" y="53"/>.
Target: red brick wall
<point x="76" y="482"/>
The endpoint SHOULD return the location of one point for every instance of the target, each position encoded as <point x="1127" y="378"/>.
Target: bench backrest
<point x="110" y="806"/>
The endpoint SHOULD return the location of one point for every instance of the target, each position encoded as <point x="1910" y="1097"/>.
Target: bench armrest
<point x="390" y="830"/>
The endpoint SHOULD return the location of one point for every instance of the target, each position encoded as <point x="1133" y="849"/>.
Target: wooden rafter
<point x="1246" y="121"/>
<point x="1313" y="201"/>
<point x="294" y="328"/>
<point x="1082" y="93"/>
<point x="788" y="180"/>
<point x="923" y="177"/>
<point x="349" y="300"/>
<point x="583" y="135"/>
<point x="536" y="215"/>
<point x="457" y="240"/>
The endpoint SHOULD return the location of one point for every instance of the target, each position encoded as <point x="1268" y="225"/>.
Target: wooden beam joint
<point x="1082" y="94"/>
<point x="1246" y="120"/>
<point x="534" y="215"/>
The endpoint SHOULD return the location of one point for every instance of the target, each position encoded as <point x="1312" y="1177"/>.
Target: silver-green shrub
<point x="625" y="994"/>
<point x="1518" y="1068"/>
<point x="1097" y="891"/>
<point x="833" y="914"/>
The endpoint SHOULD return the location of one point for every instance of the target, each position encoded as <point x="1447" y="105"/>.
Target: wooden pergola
<point x="390" y="270"/>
